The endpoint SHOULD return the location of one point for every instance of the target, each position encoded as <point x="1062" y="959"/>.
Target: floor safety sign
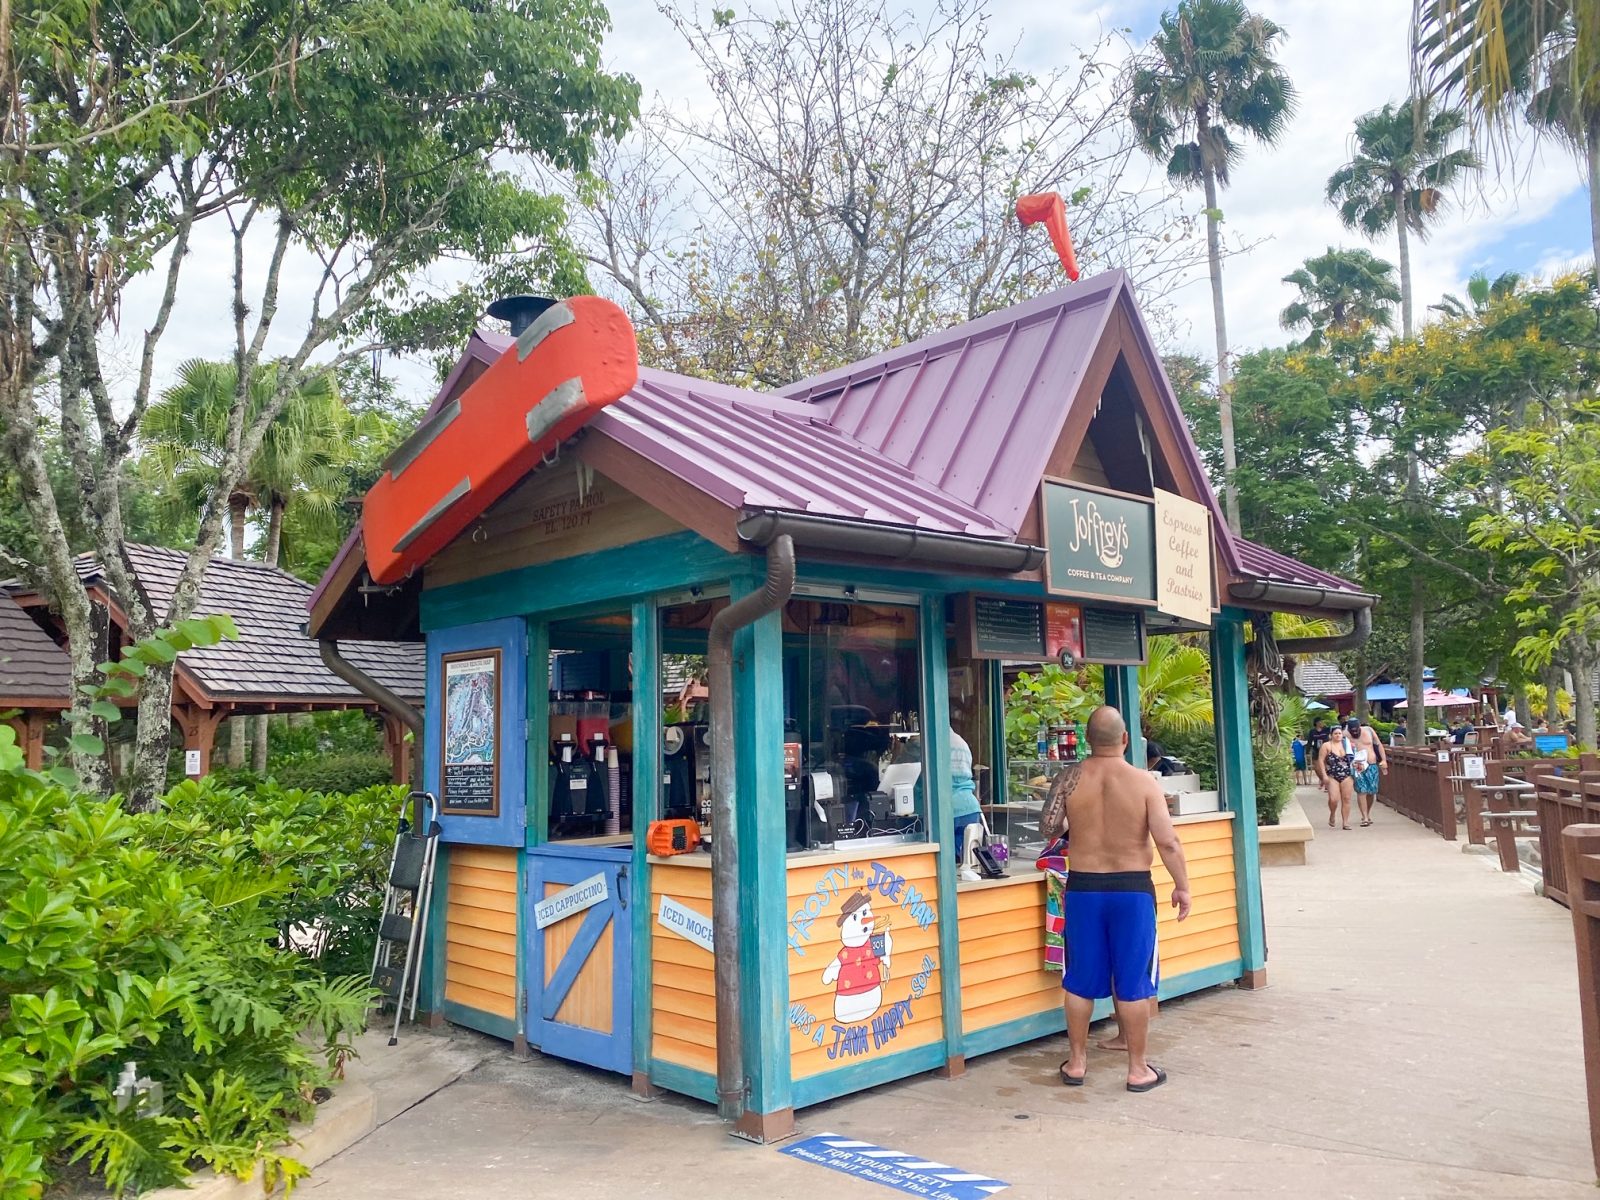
<point x="893" y="1168"/>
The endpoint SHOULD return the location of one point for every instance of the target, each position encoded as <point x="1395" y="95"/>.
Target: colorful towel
<point x="1053" y="862"/>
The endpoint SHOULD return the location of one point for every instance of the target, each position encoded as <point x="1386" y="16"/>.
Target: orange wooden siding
<point x="588" y="1000"/>
<point x="1002" y="932"/>
<point x="683" y="1005"/>
<point x="480" y="969"/>
<point x="811" y="1002"/>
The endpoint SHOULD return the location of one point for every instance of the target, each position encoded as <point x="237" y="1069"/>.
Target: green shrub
<point x="337" y="773"/>
<point x="158" y="938"/>
<point x="350" y="731"/>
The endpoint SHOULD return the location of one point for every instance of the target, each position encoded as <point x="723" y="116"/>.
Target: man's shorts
<point x="1367" y="780"/>
<point x="1111" y="935"/>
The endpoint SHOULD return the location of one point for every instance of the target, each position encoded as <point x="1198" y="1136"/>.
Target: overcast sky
<point x="1345" y="57"/>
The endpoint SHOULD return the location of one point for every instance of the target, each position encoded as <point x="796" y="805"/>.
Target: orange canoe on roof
<point x="575" y="358"/>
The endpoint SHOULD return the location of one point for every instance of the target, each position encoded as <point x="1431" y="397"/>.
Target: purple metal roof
<point x="1258" y="562"/>
<point x="977" y="410"/>
<point x="951" y="433"/>
<point x="748" y="450"/>
<point x="951" y="407"/>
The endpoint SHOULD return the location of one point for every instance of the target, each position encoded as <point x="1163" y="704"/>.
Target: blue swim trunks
<point x="1111" y="935"/>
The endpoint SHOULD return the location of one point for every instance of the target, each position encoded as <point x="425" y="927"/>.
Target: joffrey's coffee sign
<point x="1100" y="543"/>
<point x="1125" y="548"/>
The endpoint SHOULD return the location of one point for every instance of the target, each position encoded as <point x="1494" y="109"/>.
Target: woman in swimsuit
<point x="1337" y="757"/>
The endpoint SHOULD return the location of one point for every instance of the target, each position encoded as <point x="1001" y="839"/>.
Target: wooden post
<point x="1580" y="846"/>
<point x="29" y="728"/>
<point x="763" y="874"/>
<point x="394" y="745"/>
<point x="1122" y="694"/>
<point x="1236" y="775"/>
<point x="1446" y="790"/>
<point x="647" y="721"/>
<point x="33" y="740"/>
<point x="199" y="727"/>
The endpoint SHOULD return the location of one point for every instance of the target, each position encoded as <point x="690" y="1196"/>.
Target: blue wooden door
<point x="580" y="995"/>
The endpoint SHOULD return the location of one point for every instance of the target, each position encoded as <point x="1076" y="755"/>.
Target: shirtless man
<point x="1114" y="810"/>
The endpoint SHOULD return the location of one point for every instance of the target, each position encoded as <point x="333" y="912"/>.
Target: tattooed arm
<point x="1053" y="820"/>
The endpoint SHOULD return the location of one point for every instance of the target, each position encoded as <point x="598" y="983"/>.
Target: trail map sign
<point x="469" y="780"/>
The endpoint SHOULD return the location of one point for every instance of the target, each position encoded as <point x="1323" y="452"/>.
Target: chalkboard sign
<point x="470" y="734"/>
<point x="1113" y="636"/>
<point x="1007" y="628"/>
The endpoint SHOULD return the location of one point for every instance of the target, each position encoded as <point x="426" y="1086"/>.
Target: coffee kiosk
<point x="1021" y="488"/>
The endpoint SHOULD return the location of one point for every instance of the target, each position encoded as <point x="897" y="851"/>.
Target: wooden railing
<point x="1420" y="789"/>
<point x="1580" y="861"/>
<point x="1564" y="801"/>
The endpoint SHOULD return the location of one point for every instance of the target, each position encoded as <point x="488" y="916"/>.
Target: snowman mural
<point x="861" y="965"/>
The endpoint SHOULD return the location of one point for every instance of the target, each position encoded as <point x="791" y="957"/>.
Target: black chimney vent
<point x="520" y="311"/>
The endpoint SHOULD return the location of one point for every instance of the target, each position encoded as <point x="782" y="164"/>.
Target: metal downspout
<point x="386" y="699"/>
<point x="779" y="586"/>
<point x="1360" y="631"/>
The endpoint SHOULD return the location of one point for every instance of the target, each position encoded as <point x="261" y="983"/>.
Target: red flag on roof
<point x="1049" y="208"/>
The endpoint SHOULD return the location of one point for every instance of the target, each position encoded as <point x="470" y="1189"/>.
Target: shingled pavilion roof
<point x="34" y="671"/>
<point x="273" y="662"/>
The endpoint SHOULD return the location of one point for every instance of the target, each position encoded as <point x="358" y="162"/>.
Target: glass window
<point x="685" y="710"/>
<point x="591" y="728"/>
<point x="852" y="727"/>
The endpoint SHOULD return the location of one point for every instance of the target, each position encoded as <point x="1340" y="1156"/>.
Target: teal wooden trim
<point x="471" y="1018"/>
<point x="686" y="1081"/>
<point x="646" y="806"/>
<point x="999" y="776"/>
<point x="941" y="821"/>
<point x="763" y="864"/>
<point x="433" y="953"/>
<point x="1015" y="1032"/>
<point x="1236" y="776"/>
<point x="858" y="1077"/>
<point x="1199" y="981"/>
<point x="524" y="967"/>
<point x="659" y="564"/>
<point x="538" y="733"/>
<point x="1054" y="1021"/>
<point x="889" y="578"/>
<point x="1122" y="694"/>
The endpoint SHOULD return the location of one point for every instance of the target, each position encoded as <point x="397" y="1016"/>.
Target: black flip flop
<point x="1161" y="1077"/>
<point x="1069" y="1080"/>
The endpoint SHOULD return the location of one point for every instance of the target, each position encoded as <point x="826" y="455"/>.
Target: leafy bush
<point x="1274" y="768"/>
<point x="1274" y="779"/>
<point x="336" y="773"/>
<point x="1044" y="698"/>
<point x="158" y="938"/>
<point x="349" y="731"/>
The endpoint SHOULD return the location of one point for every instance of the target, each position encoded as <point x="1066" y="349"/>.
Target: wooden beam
<point x="663" y="490"/>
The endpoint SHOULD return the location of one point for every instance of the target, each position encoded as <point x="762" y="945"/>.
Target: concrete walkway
<point x="1420" y="1039"/>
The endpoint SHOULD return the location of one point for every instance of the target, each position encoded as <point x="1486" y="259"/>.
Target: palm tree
<point x="1397" y="178"/>
<point x="1342" y="291"/>
<point x="1481" y="293"/>
<point x="301" y="459"/>
<point x="1538" y="59"/>
<point x="1209" y="80"/>
<point x="1175" y="687"/>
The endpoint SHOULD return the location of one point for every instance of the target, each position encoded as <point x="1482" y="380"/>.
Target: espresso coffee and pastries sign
<point x="1183" y="558"/>
<point x="1100" y="544"/>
